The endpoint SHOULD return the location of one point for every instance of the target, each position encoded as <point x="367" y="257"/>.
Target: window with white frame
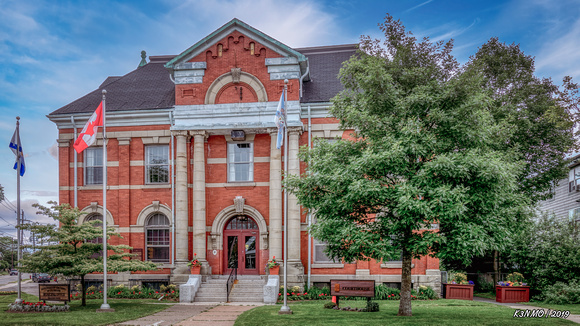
<point x="95" y="217"/>
<point x="157" y="164"/>
<point x="574" y="214"/>
<point x="157" y="239"/>
<point x="93" y="166"/>
<point x="319" y="254"/>
<point x="240" y="162"/>
<point x="574" y="179"/>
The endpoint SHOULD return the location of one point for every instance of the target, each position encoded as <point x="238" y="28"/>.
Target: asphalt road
<point x="10" y="283"/>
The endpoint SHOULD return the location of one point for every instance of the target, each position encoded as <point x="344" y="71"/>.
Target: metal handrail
<point x="230" y="283"/>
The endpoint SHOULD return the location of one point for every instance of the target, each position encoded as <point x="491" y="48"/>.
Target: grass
<point x="125" y="309"/>
<point x="573" y="308"/>
<point x="486" y="295"/>
<point x="437" y="312"/>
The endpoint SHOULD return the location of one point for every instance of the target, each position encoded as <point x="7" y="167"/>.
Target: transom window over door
<point x="240" y="162"/>
<point x="157" y="240"/>
<point x="93" y="166"/>
<point x="157" y="164"/>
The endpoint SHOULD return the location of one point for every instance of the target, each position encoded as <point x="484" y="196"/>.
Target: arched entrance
<point x="241" y="247"/>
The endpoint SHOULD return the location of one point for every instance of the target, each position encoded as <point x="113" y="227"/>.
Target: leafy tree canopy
<point x="431" y="169"/>
<point x="71" y="248"/>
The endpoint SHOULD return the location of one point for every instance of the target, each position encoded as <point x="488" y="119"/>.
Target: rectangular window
<point x="319" y="255"/>
<point x="157" y="164"/>
<point x="158" y="245"/>
<point x="240" y="162"/>
<point x="93" y="166"/>
<point x="574" y="179"/>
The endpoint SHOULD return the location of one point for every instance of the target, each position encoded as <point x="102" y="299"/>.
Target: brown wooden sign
<point x="54" y="292"/>
<point x="352" y="288"/>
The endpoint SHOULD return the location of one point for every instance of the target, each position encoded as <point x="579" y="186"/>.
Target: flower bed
<point x="381" y="293"/>
<point x="7" y="292"/>
<point x="36" y="307"/>
<point x="169" y="293"/>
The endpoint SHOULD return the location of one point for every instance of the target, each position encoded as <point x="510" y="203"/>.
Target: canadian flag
<point x="89" y="133"/>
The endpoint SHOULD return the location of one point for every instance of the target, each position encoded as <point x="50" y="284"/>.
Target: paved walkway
<point x="574" y="318"/>
<point x="195" y="314"/>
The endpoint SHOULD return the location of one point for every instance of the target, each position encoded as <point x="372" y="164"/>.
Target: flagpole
<point x="285" y="309"/>
<point x="18" y="167"/>
<point x="105" y="306"/>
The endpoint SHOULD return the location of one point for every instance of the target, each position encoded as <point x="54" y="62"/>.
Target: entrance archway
<point x="241" y="245"/>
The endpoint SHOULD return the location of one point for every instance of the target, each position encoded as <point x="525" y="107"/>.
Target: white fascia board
<point x="233" y="116"/>
<point x="116" y="119"/>
<point x="317" y="110"/>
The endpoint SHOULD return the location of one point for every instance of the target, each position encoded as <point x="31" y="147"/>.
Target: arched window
<point x="95" y="217"/>
<point x="157" y="240"/>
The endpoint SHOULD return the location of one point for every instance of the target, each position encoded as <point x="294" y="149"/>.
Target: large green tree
<point x="539" y="113"/>
<point x="71" y="248"/>
<point x="427" y="173"/>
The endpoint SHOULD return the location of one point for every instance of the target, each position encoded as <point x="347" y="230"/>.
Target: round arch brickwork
<point x="228" y="78"/>
<point x="222" y="218"/>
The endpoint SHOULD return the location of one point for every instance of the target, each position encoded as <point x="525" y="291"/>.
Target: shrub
<point x="383" y="292"/>
<point x="372" y="306"/>
<point x="91" y="288"/>
<point x="546" y="251"/>
<point x="562" y="293"/>
<point x="426" y="293"/>
<point x="484" y="286"/>
<point x="329" y="305"/>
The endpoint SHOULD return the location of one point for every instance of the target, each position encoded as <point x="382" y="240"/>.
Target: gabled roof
<point x="149" y="87"/>
<point x="220" y="33"/>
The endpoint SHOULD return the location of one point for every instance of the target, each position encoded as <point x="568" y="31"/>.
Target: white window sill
<point x="394" y="265"/>
<point x="240" y="184"/>
<point x="327" y="265"/>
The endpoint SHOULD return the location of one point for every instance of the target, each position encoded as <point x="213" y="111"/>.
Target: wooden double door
<point x="241" y="246"/>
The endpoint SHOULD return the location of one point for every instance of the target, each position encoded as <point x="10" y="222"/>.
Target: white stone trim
<point x="216" y="236"/>
<point x="236" y="184"/>
<point x="120" y="187"/>
<point x="327" y="265"/>
<point x="95" y="208"/>
<point x="154" y="207"/>
<point x="228" y="78"/>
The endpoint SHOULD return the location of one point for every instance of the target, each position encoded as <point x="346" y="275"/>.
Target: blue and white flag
<point x="13" y="146"/>
<point x="280" y="122"/>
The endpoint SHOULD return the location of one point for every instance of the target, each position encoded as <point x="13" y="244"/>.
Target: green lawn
<point x="573" y="308"/>
<point x="486" y="295"/>
<point x="437" y="312"/>
<point x="125" y="309"/>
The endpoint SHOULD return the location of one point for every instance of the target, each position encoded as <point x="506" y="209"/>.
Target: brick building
<point x="192" y="159"/>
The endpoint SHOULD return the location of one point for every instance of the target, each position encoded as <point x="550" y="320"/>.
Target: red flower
<point x="305" y="293"/>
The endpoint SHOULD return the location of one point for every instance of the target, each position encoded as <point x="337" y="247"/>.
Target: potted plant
<point x="512" y="290"/>
<point x="195" y="265"/>
<point x="459" y="288"/>
<point x="273" y="266"/>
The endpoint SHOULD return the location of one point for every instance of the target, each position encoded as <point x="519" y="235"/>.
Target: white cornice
<point x="116" y="119"/>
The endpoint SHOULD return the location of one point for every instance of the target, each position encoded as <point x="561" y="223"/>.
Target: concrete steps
<point x="249" y="288"/>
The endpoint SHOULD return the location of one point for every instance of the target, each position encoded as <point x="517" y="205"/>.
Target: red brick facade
<point x="129" y="197"/>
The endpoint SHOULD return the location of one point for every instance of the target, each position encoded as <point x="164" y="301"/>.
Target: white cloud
<point x="295" y="23"/>
<point x="561" y="56"/>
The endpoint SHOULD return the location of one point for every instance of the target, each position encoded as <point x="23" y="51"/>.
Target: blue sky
<point x="53" y="52"/>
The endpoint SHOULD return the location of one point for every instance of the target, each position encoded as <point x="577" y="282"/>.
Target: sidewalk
<point x="574" y="318"/>
<point x="195" y="314"/>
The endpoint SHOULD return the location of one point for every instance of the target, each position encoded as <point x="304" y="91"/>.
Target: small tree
<point x="427" y="151"/>
<point x="69" y="249"/>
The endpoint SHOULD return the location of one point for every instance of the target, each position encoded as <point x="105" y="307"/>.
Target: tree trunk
<point x="84" y="295"/>
<point x="405" y="303"/>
